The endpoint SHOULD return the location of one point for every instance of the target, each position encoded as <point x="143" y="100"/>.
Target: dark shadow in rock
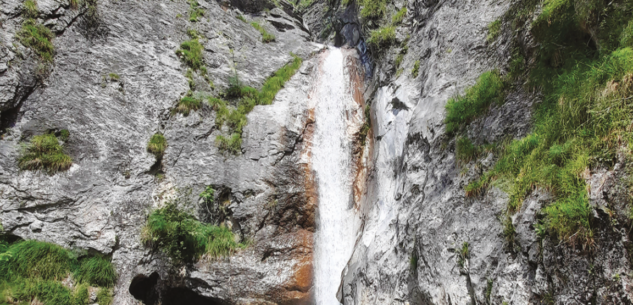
<point x="181" y="295"/>
<point x="143" y="288"/>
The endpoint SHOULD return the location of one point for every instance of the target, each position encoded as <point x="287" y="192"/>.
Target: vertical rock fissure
<point x="338" y="118"/>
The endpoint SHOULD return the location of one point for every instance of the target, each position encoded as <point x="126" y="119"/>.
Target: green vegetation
<point x="207" y="194"/>
<point x="463" y="254"/>
<point x="188" y="104"/>
<point x="416" y="69"/>
<point x="241" y="17"/>
<point x="195" y="11"/>
<point x="30" y="9"/>
<point x="157" y="145"/>
<point x="96" y="271"/>
<point x="462" y="109"/>
<point x="488" y="291"/>
<point x="248" y="98"/>
<point x="301" y="5"/>
<point x="382" y="37"/>
<point x="465" y="150"/>
<point x="585" y="71"/>
<point x="494" y="29"/>
<point x="175" y="231"/>
<point x="232" y="144"/>
<point x="44" y="153"/>
<point x="104" y="296"/>
<point x="64" y="134"/>
<point x="32" y="271"/>
<point x="373" y="9"/>
<point x="114" y="77"/>
<point x="266" y="37"/>
<point x="399" y="16"/>
<point x="191" y="52"/>
<point x="37" y="37"/>
<point x="413" y="261"/>
<point x="509" y="232"/>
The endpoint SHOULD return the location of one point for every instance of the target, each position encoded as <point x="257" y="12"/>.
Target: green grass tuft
<point x="233" y="144"/>
<point x="33" y="272"/>
<point x="188" y="104"/>
<point x="195" y="11"/>
<point x="157" y="145"/>
<point x="462" y="109"/>
<point x="373" y="9"/>
<point x="266" y="37"/>
<point x="37" y="37"/>
<point x="30" y="9"/>
<point x="191" y="52"/>
<point x="104" y="296"/>
<point x="241" y="17"/>
<point x="399" y="16"/>
<point x="465" y="150"/>
<point x="96" y="271"/>
<point x="177" y="233"/>
<point x="416" y="69"/>
<point x="494" y="29"/>
<point x="382" y="38"/>
<point x="44" y="153"/>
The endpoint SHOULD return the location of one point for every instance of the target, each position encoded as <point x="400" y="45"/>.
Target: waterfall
<point x="337" y="117"/>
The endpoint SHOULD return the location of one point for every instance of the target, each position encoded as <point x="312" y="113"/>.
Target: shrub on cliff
<point x="44" y="153"/>
<point x="37" y="37"/>
<point x="157" y="145"/>
<point x="177" y="233"/>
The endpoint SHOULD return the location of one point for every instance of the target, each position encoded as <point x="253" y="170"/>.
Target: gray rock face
<point x="418" y="218"/>
<point x="416" y="215"/>
<point x="102" y="202"/>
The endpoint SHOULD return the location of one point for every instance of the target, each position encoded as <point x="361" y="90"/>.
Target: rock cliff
<point x="115" y="79"/>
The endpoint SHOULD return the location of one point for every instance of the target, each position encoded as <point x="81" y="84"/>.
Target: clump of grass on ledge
<point x="416" y="69"/>
<point x="32" y="273"/>
<point x="37" y="37"/>
<point x="462" y="109"/>
<point x="30" y="9"/>
<point x="373" y="9"/>
<point x="399" y="16"/>
<point x="241" y="17"/>
<point x="195" y="11"/>
<point x="248" y="98"/>
<point x="44" y="153"/>
<point x="177" y="233"/>
<point x="232" y="144"/>
<point x="188" y="104"/>
<point x="96" y="271"/>
<point x="494" y="29"/>
<point x="191" y="52"/>
<point x="382" y="37"/>
<point x="266" y="37"/>
<point x="157" y="145"/>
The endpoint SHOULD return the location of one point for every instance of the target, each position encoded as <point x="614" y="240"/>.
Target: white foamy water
<point x="335" y="116"/>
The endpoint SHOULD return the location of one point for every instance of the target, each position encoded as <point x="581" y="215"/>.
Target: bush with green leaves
<point x="416" y="69"/>
<point x="157" y="145"/>
<point x="176" y="232"/>
<point x="33" y="270"/>
<point x="475" y="101"/>
<point x="44" y="153"/>
<point x="232" y="144"/>
<point x="30" y="9"/>
<point x="266" y="37"/>
<point x="37" y="37"/>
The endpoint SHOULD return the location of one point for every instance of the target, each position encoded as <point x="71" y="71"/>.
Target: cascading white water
<point x="336" y="117"/>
